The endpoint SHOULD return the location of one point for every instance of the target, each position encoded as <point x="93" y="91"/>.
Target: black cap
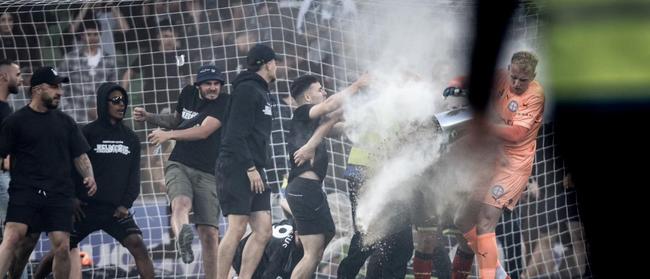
<point x="209" y="72"/>
<point x="47" y="75"/>
<point x="260" y="54"/>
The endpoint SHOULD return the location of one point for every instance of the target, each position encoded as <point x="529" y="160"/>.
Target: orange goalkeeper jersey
<point x="525" y="110"/>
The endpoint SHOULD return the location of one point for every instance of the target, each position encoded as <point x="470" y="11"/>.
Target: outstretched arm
<point x="336" y="101"/>
<point x="163" y="120"/>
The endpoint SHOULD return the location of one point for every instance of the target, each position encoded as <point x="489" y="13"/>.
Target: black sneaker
<point x="184" y="243"/>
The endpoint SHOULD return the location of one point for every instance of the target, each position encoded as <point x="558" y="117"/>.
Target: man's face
<point x="6" y="23"/>
<point x="316" y="93"/>
<point x="51" y="95"/>
<point x="167" y="40"/>
<point x="520" y="78"/>
<point x="13" y="77"/>
<point x="116" y="105"/>
<point x="210" y="89"/>
<point x="90" y="37"/>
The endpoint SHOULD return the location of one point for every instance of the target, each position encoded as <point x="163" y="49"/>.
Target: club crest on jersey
<point x="497" y="191"/>
<point x="512" y="106"/>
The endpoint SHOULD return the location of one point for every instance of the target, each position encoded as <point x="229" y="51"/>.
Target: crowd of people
<point x="211" y="171"/>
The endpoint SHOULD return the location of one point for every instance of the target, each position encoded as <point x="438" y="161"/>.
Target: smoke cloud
<point x="413" y="49"/>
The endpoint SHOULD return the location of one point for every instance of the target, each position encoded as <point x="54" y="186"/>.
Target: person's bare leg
<point x="262" y="230"/>
<point x="138" y="250"/>
<point x="229" y="242"/>
<point x="467" y="216"/>
<point x="21" y="255"/>
<point x="75" y="263"/>
<point x="13" y="234"/>
<point x="60" y="241"/>
<point x="44" y="267"/>
<point x="313" y="245"/>
<point x="181" y="206"/>
<point x="209" y="237"/>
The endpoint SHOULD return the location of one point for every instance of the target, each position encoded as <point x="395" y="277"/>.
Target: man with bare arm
<point x="42" y="141"/>
<point x="313" y="118"/>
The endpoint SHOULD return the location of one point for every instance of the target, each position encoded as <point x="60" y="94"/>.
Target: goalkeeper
<point x="518" y="103"/>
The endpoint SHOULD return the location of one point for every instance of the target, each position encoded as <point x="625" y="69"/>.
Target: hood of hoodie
<point x="250" y="76"/>
<point x="103" y="92"/>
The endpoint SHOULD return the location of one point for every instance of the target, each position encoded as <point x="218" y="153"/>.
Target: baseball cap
<point x="209" y="72"/>
<point x="47" y="75"/>
<point x="260" y="54"/>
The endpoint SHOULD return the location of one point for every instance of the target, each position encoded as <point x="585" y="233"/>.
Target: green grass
<point x="589" y="56"/>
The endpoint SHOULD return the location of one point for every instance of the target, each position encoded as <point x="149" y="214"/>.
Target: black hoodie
<point x="248" y="125"/>
<point x="114" y="154"/>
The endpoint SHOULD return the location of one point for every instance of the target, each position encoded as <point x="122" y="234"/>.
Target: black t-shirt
<point x="42" y="148"/>
<point x="199" y="154"/>
<point x="5" y="110"/>
<point x="302" y="128"/>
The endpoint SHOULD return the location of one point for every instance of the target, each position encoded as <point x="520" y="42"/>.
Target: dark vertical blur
<point x="598" y="62"/>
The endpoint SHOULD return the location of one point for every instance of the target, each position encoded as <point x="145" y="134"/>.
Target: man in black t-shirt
<point x="305" y="195"/>
<point x="189" y="172"/>
<point x="43" y="142"/>
<point x="9" y="81"/>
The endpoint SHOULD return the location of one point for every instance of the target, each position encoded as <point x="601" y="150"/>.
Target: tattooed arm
<point x="85" y="169"/>
<point x="163" y="120"/>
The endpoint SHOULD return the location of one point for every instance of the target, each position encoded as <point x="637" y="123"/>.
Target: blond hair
<point x="526" y="59"/>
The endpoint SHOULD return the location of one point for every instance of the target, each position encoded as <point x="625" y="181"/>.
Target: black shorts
<point x="101" y="218"/>
<point x="234" y="189"/>
<point x="309" y="207"/>
<point x="40" y="210"/>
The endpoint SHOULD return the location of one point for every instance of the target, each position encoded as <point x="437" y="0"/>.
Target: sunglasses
<point x="117" y="100"/>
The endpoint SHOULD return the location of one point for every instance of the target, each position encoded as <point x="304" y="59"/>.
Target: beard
<point x="13" y="89"/>
<point x="205" y="97"/>
<point x="50" y="103"/>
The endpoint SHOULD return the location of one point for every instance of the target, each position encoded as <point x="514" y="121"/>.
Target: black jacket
<point x="248" y="122"/>
<point x="114" y="154"/>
